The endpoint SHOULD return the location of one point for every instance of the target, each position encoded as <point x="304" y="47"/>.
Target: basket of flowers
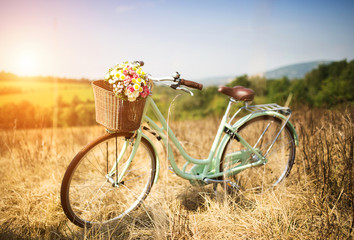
<point x="121" y="97"/>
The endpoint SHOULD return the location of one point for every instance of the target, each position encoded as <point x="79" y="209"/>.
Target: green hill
<point x="294" y="71"/>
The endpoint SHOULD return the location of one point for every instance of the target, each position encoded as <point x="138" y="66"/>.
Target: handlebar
<point x="172" y="82"/>
<point x="191" y="84"/>
<point x="175" y="78"/>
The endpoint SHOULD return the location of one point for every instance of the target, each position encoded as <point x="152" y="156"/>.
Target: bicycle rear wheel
<point x="260" y="132"/>
<point x="89" y="194"/>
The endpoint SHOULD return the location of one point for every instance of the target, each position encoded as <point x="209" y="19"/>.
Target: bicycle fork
<point x="117" y="181"/>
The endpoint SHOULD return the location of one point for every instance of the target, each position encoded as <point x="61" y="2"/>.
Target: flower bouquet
<point x="129" y="81"/>
<point x="120" y="98"/>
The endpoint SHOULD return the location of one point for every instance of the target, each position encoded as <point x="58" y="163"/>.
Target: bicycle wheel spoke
<point x="129" y="180"/>
<point x="105" y="153"/>
<point x="131" y="192"/>
<point x="261" y="136"/>
<point x="95" y="166"/>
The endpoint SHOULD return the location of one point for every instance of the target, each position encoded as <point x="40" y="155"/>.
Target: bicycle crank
<point x="228" y="182"/>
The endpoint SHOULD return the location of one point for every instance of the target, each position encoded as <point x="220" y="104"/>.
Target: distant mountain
<point x="294" y="71"/>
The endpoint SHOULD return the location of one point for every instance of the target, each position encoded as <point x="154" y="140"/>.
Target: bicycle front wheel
<point x="95" y="190"/>
<point x="260" y="133"/>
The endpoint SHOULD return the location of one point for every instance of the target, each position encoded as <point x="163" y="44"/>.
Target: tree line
<point x="6" y="76"/>
<point x="327" y="86"/>
<point x="27" y="115"/>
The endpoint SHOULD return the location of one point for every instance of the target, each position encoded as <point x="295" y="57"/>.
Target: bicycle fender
<point x="157" y="157"/>
<point x="240" y="122"/>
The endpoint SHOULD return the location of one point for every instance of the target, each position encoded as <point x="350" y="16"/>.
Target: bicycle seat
<point x="239" y="93"/>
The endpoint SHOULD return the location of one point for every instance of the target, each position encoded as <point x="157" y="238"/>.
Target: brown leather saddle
<point x="239" y="93"/>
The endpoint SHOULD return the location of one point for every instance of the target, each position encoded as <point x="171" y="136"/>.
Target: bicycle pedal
<point x="233" y="185"/>
<point x="170" y="169"/>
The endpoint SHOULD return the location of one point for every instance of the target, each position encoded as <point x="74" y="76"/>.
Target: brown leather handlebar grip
<point x="191" y="84"/>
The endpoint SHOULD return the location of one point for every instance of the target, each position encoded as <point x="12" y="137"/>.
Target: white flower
<point x="128" y="75"/>
<point x="114" y="72"/>
<point x="136" y="87"/>
<point x="117" y="75"/>
<point x="132" y="96"/>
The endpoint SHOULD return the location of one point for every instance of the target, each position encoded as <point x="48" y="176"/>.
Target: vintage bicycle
<point x="111" y="176"/>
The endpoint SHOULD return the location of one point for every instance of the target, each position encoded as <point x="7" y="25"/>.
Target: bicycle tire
<point x="280" y="157"/>
<point x="89" y="198"/>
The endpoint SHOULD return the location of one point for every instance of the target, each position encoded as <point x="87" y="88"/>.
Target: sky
<point x="198" y="38"/>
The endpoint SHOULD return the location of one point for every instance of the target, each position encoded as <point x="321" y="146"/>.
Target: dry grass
<point x="316" y="201"/>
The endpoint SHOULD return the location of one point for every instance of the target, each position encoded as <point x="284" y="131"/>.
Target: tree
<point x="338" y="87"/>
<point x="258" y="84"/>
<point x="278" y="90"/>
<point x="240" y="81"/>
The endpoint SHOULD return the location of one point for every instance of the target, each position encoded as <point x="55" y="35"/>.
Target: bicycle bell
<point x="176" y="75"/>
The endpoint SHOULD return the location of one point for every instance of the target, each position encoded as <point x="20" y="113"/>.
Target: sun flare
<point x="27" y="64"/>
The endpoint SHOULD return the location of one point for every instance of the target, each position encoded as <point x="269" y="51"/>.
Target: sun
<point x="27" y="64"/>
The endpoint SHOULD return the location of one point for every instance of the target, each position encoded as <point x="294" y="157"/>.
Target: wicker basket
<point x="114" y="113"/>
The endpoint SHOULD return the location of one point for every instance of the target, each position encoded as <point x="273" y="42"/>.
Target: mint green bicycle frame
<point x="202" y="168"/>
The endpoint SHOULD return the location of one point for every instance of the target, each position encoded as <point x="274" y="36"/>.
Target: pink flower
<point x="132" y="95"/>
<point x="130" y="89"/>
<point x="128" y="79"/>
<point x="145" y="92"/>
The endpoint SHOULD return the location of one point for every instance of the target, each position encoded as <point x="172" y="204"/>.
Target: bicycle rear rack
<point x="267" y="107"/>
<point x="261" y="108"/>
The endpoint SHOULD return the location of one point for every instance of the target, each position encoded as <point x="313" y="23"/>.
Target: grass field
<point x="315" y="202"/>
<point x="43" y="93"/>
